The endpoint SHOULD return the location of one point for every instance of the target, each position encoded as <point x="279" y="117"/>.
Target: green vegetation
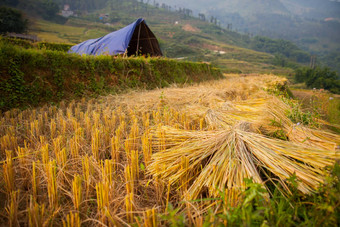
<point x="190" y="39"/>
<point x="280" y="47"/>
<point x="11" y="20"/>
<point x="38" y="45"/>
<point x="294" y="209"/>
<point x="331" y="59"/>
<point x="71" y="32"/>
<point x="320" y="77"/>
<point x="312" y="25"/>
<point x="32" y="77"/>
<point x="47" y="9"/>
<point x="333" y="113"/>
<point x="9" y="2"/>
<point x="54" y="46"/>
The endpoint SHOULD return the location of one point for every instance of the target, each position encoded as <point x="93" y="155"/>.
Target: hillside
<point x="180" y="35"/>
<point x="313" y="25"/>
<point x="318" y="9"/>
<point x="242" y="7"/>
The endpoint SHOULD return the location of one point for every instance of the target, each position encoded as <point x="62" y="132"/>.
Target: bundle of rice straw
<point x="261" y="113"/>
<point x="277" y="110"/>
<point x="219" y="160"/>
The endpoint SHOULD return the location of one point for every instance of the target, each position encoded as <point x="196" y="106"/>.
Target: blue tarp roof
<point x="114" y="43"/>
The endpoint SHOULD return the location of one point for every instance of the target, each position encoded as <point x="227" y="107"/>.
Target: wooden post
<point x="312" y="61"/>
<point x="153" y="51"/>
<point x="138" y="39"/>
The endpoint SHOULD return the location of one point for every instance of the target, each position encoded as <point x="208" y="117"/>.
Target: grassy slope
<point x="191" y="39"/>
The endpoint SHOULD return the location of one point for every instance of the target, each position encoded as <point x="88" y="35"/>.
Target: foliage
<point x="279" y="46"/>
<point x="175" y="40"/>
<point x="295" y="114"/>
<point x="284" y="209"/>
<point x="46" y="9"/>
<point x="39" y="45"/>
<point x="30" y="76"/>
<point x="11" y="20"/>
<point x="281" y="60"/>
<point x="17" y="42"/>
<point x="49" y="8"/>
<point x="9" y="2"/>
<point x="332" y="59"/>
<point x="279" y="20"/>
<point x="298" y="116"/>
<point x="54" y="46"/>
<point x="319" y="77"/>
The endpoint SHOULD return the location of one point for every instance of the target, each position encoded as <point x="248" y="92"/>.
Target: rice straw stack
<point x="277" y="110"/>
<point x="261" y="113"/>
<point x="219" y="160"/>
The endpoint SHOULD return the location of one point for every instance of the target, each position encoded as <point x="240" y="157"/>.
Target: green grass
<point x="324" y="104"/>
<point x="333" y="113"/>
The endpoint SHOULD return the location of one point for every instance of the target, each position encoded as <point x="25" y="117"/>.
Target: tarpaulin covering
<point x="136" y="36"/>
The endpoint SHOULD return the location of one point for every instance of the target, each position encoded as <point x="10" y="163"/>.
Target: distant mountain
<point x="310" y="8"/>
<point x="317" y="9"/>
<point x="313" y="25"/>
<point x="242" y="7"/>
<point x="288" y="19"/>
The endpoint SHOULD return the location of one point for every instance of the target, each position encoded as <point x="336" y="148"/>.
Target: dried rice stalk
<point x="277" y="110"/>
<point x="222" y="159"/>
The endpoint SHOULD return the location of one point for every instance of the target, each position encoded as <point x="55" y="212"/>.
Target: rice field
<point x="145" y="157"/>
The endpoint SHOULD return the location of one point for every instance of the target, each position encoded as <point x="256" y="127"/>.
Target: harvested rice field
<point x="237" y="151"/>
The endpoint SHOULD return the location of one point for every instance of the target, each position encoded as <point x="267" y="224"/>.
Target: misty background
<point x="314" y="25"/>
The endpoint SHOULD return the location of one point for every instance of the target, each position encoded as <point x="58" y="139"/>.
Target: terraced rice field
<point x="144" y="157"/>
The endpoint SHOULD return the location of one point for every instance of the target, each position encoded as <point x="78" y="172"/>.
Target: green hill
<point x="181" y="35"/>
<point x="313" y="25"/>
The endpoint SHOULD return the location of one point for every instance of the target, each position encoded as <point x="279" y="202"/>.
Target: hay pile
<point x="236" y="144"/>
<point x="224" y="158"/>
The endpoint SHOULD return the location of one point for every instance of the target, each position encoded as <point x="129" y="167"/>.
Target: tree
<point x="201" y="16"/>
<point x="319" y="77"/>
<point x="9" y="2"/>
<point x="11" y="20"/>
<point x="50" y="8"/>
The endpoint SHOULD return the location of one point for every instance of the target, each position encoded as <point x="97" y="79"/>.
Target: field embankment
<point x="32" y="76"/>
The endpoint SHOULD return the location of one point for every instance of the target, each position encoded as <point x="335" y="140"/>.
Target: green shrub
<point x="279" y="47"/>
<point x="281" y="207"/>
<point x="11" y="20"/>
<point x="18" y="42"/>
<point x="54" y="46"/>
<point x="31" y="76"/>
<point x="320" y="77"/>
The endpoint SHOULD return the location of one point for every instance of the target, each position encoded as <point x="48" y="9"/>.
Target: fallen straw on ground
<point x="223" y="159"/>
